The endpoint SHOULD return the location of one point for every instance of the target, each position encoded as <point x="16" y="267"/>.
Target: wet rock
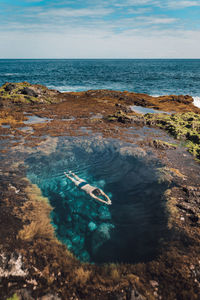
<point x="104" y="214"/>
<point x="92" y="226"/>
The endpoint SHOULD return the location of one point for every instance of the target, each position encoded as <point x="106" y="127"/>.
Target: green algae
<point x="14" y="92"/>
<point x="183" y="126"/>
<point x="14" y="297"/>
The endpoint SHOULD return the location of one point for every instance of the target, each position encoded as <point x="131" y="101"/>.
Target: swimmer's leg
<point x="78" y="178"/>
<point x="76" y="182"/>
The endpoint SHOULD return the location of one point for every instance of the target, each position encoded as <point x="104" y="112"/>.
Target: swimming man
<point x="94" y="192"/>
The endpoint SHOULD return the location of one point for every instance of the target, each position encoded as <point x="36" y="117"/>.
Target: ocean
<point x="152" y="76"/>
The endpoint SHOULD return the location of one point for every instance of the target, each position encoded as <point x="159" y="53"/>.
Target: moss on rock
<point x="26" y="93"/>
<point x="183" y="126"/>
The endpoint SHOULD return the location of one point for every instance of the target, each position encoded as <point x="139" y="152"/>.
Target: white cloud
<point x="173" y="4"/>
<point x="69" y="12"/>
<point x="156" y="20"/>
<point x="101" y="44"/>
<point x="136" y="31"/>
<point x="139" y="11"/>
<point x="181" y="4"/>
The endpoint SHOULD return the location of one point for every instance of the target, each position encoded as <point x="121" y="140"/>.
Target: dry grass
<point x="166" y="174"/>
<point x="36" y="211"/>
<point x="115" y="275"/>
<point x="34" y="193"/>
<point x="171" y="207"/>
<point x="82" y="276"/>
<point x="37" y="229"/>
<point x="177" y="173"/>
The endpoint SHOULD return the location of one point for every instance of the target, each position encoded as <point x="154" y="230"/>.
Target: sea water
<point x="151" y="76"/>
<point x="133" y="228"/>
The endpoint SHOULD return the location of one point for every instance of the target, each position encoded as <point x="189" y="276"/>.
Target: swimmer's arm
<point x="108" y="202"/>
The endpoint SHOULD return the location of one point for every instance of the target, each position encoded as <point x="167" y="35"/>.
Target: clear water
<point x="132" y="228"/>
<point x="36" y="120"/>
<point x="145" y="110"/>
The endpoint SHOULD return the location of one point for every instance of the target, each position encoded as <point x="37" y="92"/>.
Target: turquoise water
<point x="133" y="227"/>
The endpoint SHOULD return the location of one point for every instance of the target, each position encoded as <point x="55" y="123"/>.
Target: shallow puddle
<point x="36" y="120"/>
<point x="133" y="228"/>
<point x="5" y="126"/>
<point x="145" y="110"/>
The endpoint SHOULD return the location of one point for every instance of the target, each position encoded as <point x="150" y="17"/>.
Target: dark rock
<point x="124" y="119"/>
<point x="162" y="145"/>
<point x="123" y="108"/>
<point x="194" y="218"/>
<point x="186" y="207"/>
<point x="29" y="92"/>
<point x="135" y="295"/>
<point x="9" y="87"/>
<point x="25" y="295"/>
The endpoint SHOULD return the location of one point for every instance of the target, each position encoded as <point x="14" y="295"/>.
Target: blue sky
<point x="100" y="29"/>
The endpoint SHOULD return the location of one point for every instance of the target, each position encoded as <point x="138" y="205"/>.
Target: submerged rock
<point x="92" y="226"/>
<point x="100" y="236"/>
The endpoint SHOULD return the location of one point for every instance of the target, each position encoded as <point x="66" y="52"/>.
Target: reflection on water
<point x="146" y="110"/>
<point x="36" y="120"/>
<point x="131" y="229"/>
<point x="5" y="126"/>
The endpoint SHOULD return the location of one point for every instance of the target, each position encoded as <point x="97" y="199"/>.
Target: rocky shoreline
<point x="33" y="263"/>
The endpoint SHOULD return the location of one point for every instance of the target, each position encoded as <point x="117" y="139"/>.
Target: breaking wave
<point x="196" y="101"/>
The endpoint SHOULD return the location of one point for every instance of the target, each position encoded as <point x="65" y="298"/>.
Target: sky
<point x="100" y="29"/>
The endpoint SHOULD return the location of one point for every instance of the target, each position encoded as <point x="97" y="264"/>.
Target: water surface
<point x="133" y="227"/>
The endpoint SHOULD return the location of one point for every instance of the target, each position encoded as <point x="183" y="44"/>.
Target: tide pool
<point x="133" y="228"/>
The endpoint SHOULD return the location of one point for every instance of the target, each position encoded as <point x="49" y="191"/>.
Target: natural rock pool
<point x="133" y="228"/>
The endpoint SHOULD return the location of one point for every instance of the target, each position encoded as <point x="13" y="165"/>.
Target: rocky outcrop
<point x="26" y="93"/>
<point x="185" y="126"/>
<point x="174" y="103"/>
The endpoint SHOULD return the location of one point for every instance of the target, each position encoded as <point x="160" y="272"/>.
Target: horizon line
<point x="40" y="58"/>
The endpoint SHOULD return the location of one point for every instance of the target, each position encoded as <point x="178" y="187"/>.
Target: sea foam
<point x="196" y="101"/>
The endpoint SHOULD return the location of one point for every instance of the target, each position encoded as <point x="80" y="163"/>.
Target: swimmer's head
<point x="97" y="192"/>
